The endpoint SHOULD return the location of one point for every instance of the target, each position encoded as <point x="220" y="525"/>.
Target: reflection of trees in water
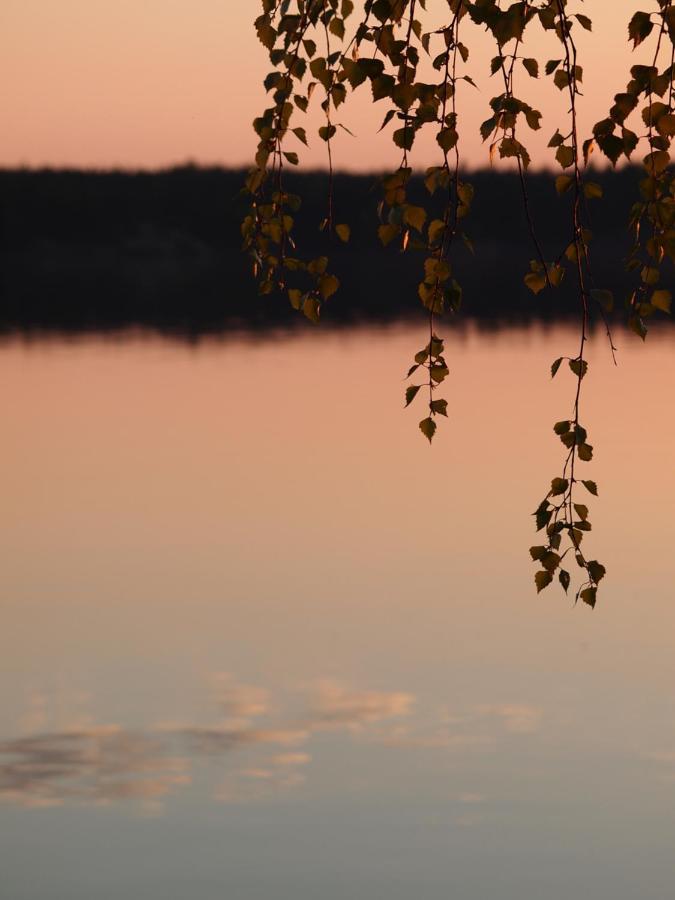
<point x="262" y="752"/>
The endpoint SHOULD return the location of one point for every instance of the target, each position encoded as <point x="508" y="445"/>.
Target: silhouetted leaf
<point x="411" y="392"/>
<point x="639" y="28"/>
<point x="532" y="67"/>
<point x="589" y="596"/>
<point x="559" y="486"/>
<point x="579" y="367"/>
<point x="542" y="579"/>
<point x="428" y="428"/>
<point x="555" y="366"/>
<point x="596" y="570"/>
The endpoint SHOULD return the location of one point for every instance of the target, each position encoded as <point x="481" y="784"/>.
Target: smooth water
<point x="260" y="641"/>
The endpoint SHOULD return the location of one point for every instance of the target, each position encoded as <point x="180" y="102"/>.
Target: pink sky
<point x="159" y="82"/>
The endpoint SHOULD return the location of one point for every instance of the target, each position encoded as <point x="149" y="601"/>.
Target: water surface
<point x="260" y="641"/>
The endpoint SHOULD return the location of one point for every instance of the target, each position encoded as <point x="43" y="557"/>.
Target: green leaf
<point x="542" y="579"/>
<point x="428" y="428"/>
<point x="411" y="392"/>
<point x="591" y="487"/>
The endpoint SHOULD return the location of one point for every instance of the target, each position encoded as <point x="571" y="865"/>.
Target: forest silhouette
<point x="88" y="250"/>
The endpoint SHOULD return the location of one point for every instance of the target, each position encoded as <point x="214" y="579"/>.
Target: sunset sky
<point x="151" y="84"/>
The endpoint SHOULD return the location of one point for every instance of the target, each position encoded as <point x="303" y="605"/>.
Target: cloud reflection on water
<point x="106" y="763"/>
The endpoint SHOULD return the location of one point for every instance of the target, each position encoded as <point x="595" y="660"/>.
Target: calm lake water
<point x="260" y="641"/>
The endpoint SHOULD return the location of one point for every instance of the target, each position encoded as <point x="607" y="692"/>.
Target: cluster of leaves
<point x="328" y="48"/>
<point x="649" y="94"/>
<point x="559" y="515"/>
